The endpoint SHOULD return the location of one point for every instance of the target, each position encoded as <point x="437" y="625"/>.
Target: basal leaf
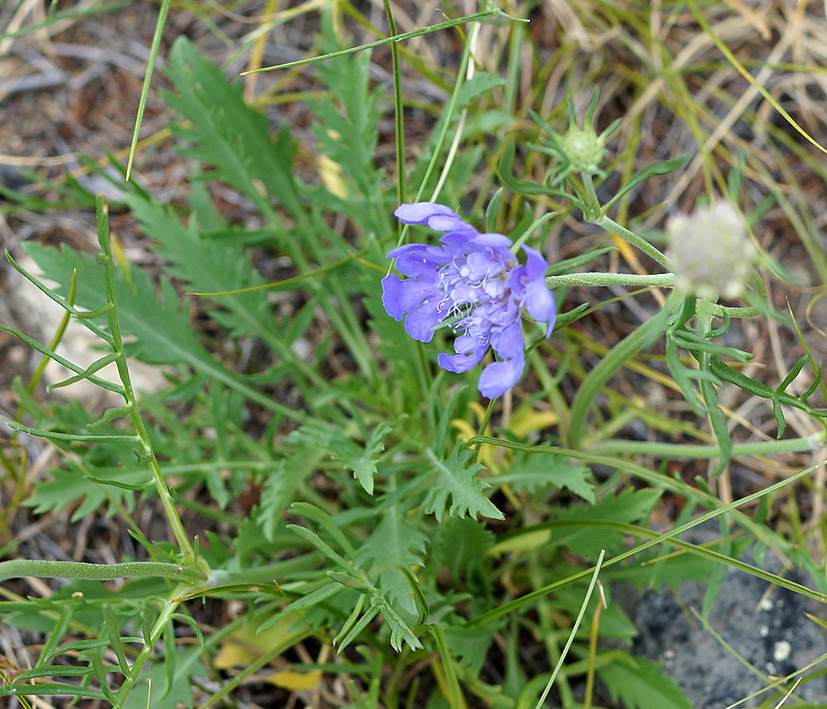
<point x="229" y="135"/>
<point x="348" y="116"/>
<point x="629" y="506"/>
<point x="208" y="266"/>
<point x="455" y="489"/>
<point x="639" y="684"/>
<point x="159" y="330"/>
<point x="536" y="471"/>
<point x="394" y="545"/>
<point x="281" y="484"/>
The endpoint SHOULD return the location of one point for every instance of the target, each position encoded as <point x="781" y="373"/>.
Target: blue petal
<point x="460" y="363"/>
<point x="508" y="342"/>
<point x="419" y="261"/>
<point x="490" y="239"/>
<point x="498" y="377"/>
<point x="535" y="265"/>
<point x="421" y="322"/>
<point x="539" y="301"/>
<point x="400" y="297"/>
<point x="450" y="222"/>
<point x="421" y="212"/>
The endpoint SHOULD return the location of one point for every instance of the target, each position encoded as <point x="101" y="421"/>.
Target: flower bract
<point x="475" y="285"/>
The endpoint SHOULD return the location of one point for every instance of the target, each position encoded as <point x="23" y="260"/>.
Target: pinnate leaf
<point x="537" y="471"/>
<point x="455" y="489"/>
<point x="639" y="684"/>
<point x="394" y="545"/>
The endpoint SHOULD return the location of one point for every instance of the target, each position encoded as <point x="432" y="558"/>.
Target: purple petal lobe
<point x="421" y="322"/>
<point x="460" y="363"/>
<point x="535" y="265"/>
<point x="391" y="296"/>
<point x="421" y="263"/>
<point x="508" y="342"/>
<point x="493" y="240"/>
<point x="444" y="222"/>
<point x="421" y="212"/>
<point x="540" y="304"/>
<point x="402" y="297"/>
<point x="498" y="377"/>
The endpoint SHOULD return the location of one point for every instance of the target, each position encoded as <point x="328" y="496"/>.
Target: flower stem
<point x="681" y="450"/>
<point x="635" y="240"/>
<point x="146" y="451"/>
<point x="167" y="611"/>
<point x="42" y="568"/>
<point x="610" y="279"/>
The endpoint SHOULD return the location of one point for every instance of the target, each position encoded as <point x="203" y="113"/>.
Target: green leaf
<point x="629" y="506"/>
<point x="59" y="671"/>
<point x="462" y="547"/>
<point x="362" y="460"/>
<point x="208" y="266"/>
<point x="455" y="481"/>
<point x="69" y="486"/>
<point x="160" y="330"/>
<point x="476" y="86"/>
<point x="348" y="115"/>
<point x="659" y="168"/>
<point x="400" y="630"/>
<point x="160" y="691"/>
<point x="469" y="646"/>
<point x="639" y="684"/>
<point x="281" y="485"/>
<point x="393" y="546"/>
<point x="535" y="471"/>
<point x="229" y="135"/>
<point x="50" y="689"/>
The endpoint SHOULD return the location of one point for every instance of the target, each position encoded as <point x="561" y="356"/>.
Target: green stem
<point x="627" y="348"/>
<point x="446" y="122"/>
<point x="635" y="240"/>
<point x="610" y="279"/>
<point x="164" y="494"/>
<point x="42" y="568"/>
<point x="167" y="611"/>
<point x="479" y="16"/>
<point x="681" y="450"/>
<point x="399" y="117"/>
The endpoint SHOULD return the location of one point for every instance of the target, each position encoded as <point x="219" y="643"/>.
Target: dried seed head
<point x="711" y="251"/>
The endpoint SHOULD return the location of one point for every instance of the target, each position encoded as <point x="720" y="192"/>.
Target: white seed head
<point x="711" y="251"/>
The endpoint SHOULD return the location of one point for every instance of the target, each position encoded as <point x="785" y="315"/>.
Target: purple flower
<point x="475" y="284"/>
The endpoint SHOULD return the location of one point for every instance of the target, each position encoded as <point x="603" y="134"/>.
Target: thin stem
<point x="167" y="611"/>
<point x="389" y="40"/>
<point x="46" y="569"/>
<point x="397" y="108"/>
<point x="610" y="279"/>
<point x="635" y="240"/>
<point x="686" y="450"/>
<point x="471" y="45"/>
<point x="129" y="394"/>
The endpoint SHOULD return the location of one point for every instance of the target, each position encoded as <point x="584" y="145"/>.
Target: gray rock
<point x="769" y="630"/>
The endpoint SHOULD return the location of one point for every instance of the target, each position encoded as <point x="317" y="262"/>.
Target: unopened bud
<point x="584" y="149"/>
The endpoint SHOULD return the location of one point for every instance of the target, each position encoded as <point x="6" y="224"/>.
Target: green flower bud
<point x="711" y="252"/>
<point x="584" y="149"/>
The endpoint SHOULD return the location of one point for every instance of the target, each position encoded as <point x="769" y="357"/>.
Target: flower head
<point x="711" y="252"/>
<point x="475" y="284"/>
